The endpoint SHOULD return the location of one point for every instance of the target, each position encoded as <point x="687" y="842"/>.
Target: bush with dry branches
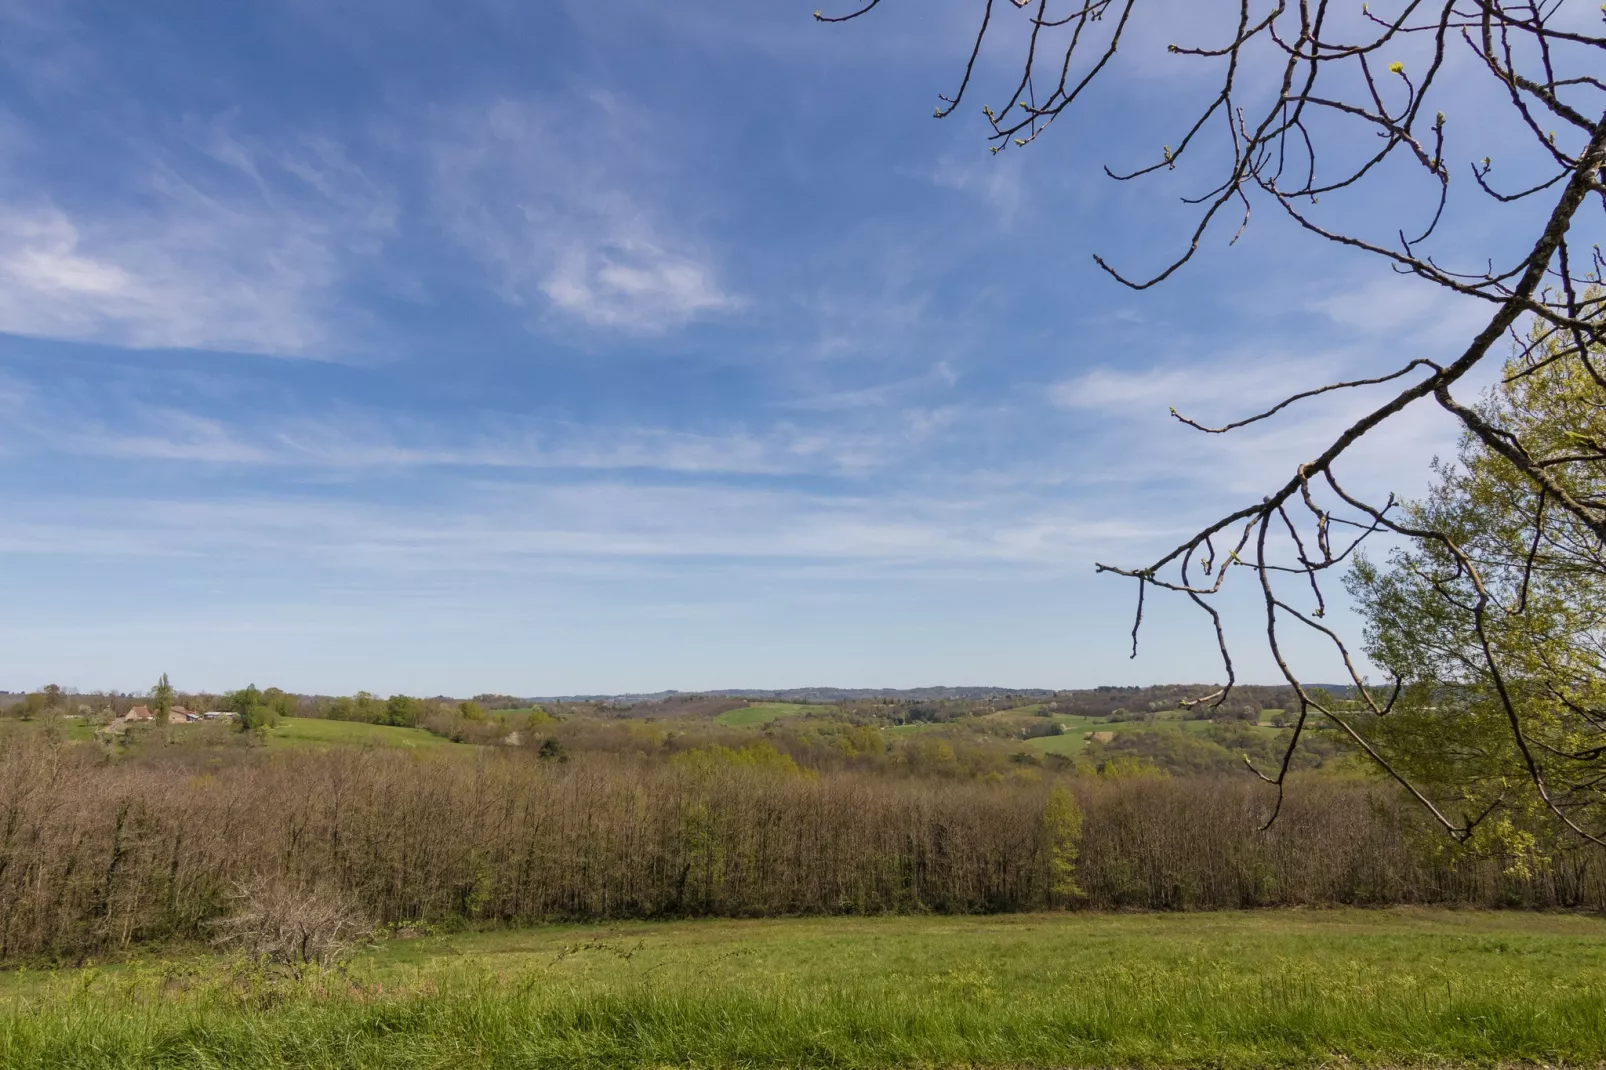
<point x="292" y="924"/>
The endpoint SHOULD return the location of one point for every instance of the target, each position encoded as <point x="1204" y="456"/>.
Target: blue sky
<point x="554" y="348"/>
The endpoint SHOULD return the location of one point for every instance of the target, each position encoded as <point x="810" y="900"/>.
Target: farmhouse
<point x="139" y="713"/>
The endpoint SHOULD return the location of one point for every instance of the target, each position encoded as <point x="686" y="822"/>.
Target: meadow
<point x="318" y="733"/>
<point x="1399" y="987"/>
<point x="759" y="713"/>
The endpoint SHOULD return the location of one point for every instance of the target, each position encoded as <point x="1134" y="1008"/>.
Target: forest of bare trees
<point x="96" y="855"/>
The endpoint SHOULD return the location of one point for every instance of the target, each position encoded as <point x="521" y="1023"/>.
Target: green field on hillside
<point x="72" y="729"/>
<point x="521" y="713"/>
<point x="1237" y="990"/>
<point x="1019" y="711"/>
<point x="1071" y="743"/>
<point x="316" y="732"/>
<point x="1074" y="739"/>
<point x="764" y="712"/>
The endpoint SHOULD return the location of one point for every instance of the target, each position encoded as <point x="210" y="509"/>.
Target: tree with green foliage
<point x="1062" y="833"/>
<point x="361" y="707"/>
<point x="1493" y="620"/>
<point x="252" y="708"/>
<point x="34" y="704"/>
<point x="162" y="696"/>
<point x="280" y="702"/>
<point x="401" y="711"/>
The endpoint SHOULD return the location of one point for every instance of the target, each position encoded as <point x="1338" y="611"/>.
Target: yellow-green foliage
<point x="849" y="740"/>
<point x="1495" y="625"/>
<point x="1062" y="833"/>
<point x="1121" y="769"/>
<point x="757" y="756"/>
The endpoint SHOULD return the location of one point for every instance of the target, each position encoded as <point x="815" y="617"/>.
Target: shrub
<point x="293" y="924"/>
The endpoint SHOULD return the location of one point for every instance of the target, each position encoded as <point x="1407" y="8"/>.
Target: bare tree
<point x="1342" y="113"/>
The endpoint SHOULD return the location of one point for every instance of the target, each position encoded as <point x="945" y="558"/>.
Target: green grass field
<point x="521" y="713"/>
<point x="78" y="729"/>
<point x="1270" y="989"/>
<point x="765" y="712"/>
<point x="1074" y="739"/>
<point x="316" y="732"/>
<point x="72" y="729"/>
<point x="1070" y="744"/>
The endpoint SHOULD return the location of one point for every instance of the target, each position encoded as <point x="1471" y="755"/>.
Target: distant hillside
<point x="815" y="694"/>
<point x="915" y="694"/>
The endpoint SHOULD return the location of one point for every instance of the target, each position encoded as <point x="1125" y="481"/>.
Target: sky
<point x="572" y="348"/>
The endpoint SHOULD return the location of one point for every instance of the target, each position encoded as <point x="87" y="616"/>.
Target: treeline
<point x="1245" y="702"/>
<point x="53" y="700"/>
<point x="96" y="855"/>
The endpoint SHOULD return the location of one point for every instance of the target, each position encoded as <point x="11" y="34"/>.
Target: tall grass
<point x="1312" y="1001"/>
<point x="97" y="855"/>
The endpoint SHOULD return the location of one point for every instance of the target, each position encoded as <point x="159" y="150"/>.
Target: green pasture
<point x="71" y="729"/>
<point x="522" y="713"/>
<point x="1018" y="711"/>
<point x="1313" y="989"/>
<point x="316" y="732"/>
<point x="78" y="729"/>
<point x="1074" y="741"/>
<point x="1068" y="745"/>
<point x="765" y="712"/>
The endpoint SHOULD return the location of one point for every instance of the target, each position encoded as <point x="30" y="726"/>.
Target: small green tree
<point x="1062" y="835"/>
<point x="401" y="711"/>
<point x="250" y="710"/>
<point x="162" y="696"/>
<point x="279" y="704"/>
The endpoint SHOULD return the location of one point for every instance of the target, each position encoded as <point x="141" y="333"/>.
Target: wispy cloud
<point x="522" y="529"/>
<point x="564" y="210"/>
<point x="1237" y="380"/>
<point x="351" y="439"/>
<point x="167" y="435"/>
<point x="248" y="258"/>
<point x="882" y="395"/>
<point x="1142" y="445"/>
<point x="1403" y="308"/>
<point x="155" y="282"/>
<point x="996" y="181"/>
